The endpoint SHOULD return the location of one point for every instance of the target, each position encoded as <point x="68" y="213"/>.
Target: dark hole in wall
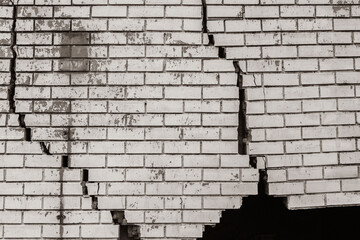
<point x="65" y="161"/>
<point x="126" y="232"/>
<point x="266" y="218"/>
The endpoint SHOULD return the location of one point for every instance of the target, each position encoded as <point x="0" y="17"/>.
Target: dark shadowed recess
<point x="266" y="218"/>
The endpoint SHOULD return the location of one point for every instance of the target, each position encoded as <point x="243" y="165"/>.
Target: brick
<point x="315" y="24"/>
<point x="89" y="25"/>
<point x="126" y="25"/>
<point x="162" y="216"/>
<point x="347" y="77"/>
<point x="350" y="185"/>
<point x="202" y="216"/>
<point x="266" y="147"/>
<point x="341" y="172"/>
<point x="12" y="231"/>
<point x="184" y="230"/>
<point x="106" y="231"/>
<point x="299" y="38"/>
<point x="337" y="118"/>
<point x="317" y="78"/>
<point x="342" y="198"/>
<point x="164" y="25"/>
<point x="218" y="66"/>
<point x="302" y="119"/>
<point x="323" y="186"/>
<point x="297" y="11"/>
<point x="108" y="11"/>
<point x="303" y="146"/>
<point x="183" y="11"/>
<point x="333" y="11"/>
<point x="264" y="65"/>
<point x="319" y="132"/>
<point x="230" y="39"/>
<point x="306" y="201"/>
<point x="349" y="158"/>
<point x="283" y="134"/>
<point x="34" y="12"/>
<point x="262" y="39"/>
<point x="301" y="65"/>
<point x="183" y="203"/>
<point x="279" y="25"/>
<point x="261" y="12"/>
<point x="72" y="12"/>
<point x="304" y="173"/>
<point x="286" y="188"/>
<point x="334" y="37"/>
<point x="346" y="24"/>
<point x="338" y="145"/>
<point x="276" y="175"/>
<point x="336" y="64"/>
<point x="146" y="11"/>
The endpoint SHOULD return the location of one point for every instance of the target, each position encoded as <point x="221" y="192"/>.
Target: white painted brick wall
<point x="132" y="93"/>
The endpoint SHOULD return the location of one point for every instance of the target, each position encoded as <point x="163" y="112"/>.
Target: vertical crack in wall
<point x="204" y="23"/>
<point x="11" y="90"/>
<point x="243" y="132"/>
<point x="45" y="148"/>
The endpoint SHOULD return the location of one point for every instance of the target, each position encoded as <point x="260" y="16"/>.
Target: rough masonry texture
<point x="157" y="115"/>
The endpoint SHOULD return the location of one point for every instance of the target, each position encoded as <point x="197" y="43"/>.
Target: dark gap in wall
<point x="12" y="86"/>
<point x="222" y="52"/>
<point x="267" y="218"/>
<point x="204" y="17"/>
<point x="211" y="40"/>
<point x="239" y="73"/>
<point x="126" y="232"/>
<point x="85" y="179"/>
<point x="28" y="134"/>
<point x="204" y="23"/>
<point x="253" y="161"/>
<point x="44" y="148"/>
<point x="242" y="129"/>
<point x="65" y="161"/>
<point x="94" y="202"/>
<point x="263" y="184"/>
<point x="22" y="124"/>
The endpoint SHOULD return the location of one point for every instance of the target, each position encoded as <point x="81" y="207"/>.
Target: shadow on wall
<point x="266" y="218"/>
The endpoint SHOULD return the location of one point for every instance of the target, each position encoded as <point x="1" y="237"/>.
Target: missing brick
<point x="253" y="162"/>
<point x="94" y="203"/>
<point x="222" y="52"/>
<point x="65" y="161"/>
<point x="85" y="179"/>
<point x="263" y="185"/>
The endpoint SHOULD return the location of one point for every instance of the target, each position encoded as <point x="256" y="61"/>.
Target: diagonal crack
<point x="243" y="132"/>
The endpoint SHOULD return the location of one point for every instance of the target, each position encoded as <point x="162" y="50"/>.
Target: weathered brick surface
<point x="128" y="106"/>
<point x="299" y="60"/>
